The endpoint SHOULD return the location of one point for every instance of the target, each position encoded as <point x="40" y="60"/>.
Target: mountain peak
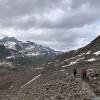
<point x="6" y="39"/>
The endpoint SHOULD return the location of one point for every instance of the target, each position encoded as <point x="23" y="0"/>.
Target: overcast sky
<point x="59" y="24"/>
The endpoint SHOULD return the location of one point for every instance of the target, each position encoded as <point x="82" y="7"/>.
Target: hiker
<point x="74" y="72"/>
<point x="84" y="74"/>
<point x="91" y="74"/>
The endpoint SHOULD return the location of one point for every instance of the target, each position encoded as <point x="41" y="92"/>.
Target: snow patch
<point x="65" y="66"/>
<point x="97" y="53"/>
<point x="80" y="59"/>
<point x="10" y="57"/>
<point x="71" y="63"/>
<point x="71" y="58"/>
<point x="91" y="60"/>
<point x="10" y="45"/>
<point x="88" y="52"/>
<point x="30" y="48"/>
<point x="49" y="63"/>
<point x="32" y="54"/>
<point x="12" y="86"/>
<point x="39" y="68"/>
<point x="81" y="54"/>
<point x="62" y="70"/>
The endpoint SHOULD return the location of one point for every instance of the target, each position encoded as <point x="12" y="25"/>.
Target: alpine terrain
<point x="51" y="80"/>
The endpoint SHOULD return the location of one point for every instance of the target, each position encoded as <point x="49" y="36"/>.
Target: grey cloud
<point x="11" y="12"/>
<point x="57" y="23"/>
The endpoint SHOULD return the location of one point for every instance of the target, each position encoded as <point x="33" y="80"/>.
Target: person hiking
<point x="74" y="72"/>
<point x="84" y="74"/>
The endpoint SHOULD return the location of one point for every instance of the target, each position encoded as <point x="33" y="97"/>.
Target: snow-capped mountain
<point x="13" y="48"/>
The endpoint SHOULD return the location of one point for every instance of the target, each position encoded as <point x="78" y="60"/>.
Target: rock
<point x="86" y="99"/>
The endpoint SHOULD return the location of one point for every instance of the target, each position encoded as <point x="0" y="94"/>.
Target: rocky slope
<point x="57" y="82"/>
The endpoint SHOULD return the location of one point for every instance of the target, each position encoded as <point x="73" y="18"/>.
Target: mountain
<point x="54" y="79"/>
<point x="85" y="56"/>
<point x="13" y="50"/>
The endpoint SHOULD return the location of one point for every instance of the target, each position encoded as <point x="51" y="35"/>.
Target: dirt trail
<point x="88" y="90"/>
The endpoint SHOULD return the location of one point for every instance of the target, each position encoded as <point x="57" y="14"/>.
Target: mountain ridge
<point x="14" y="49"/>
<point x="93" y="46"/>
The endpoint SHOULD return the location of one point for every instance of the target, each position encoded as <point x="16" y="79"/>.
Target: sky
<point x="60" y="24"/>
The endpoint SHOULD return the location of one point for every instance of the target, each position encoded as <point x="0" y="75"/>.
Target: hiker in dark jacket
<point x="84" y="74"/>
<point x="75" y="72"/>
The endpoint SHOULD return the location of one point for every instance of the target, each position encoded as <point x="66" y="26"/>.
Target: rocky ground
<point x="62" y="88"/>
